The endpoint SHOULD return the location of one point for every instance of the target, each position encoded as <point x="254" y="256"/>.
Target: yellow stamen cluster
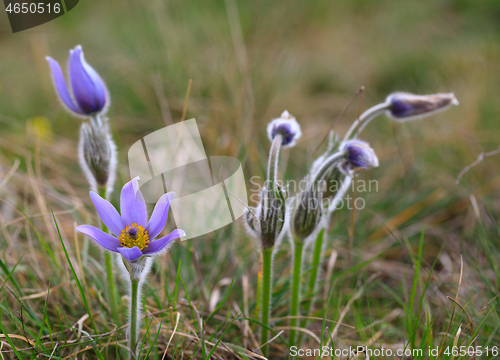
<point x="134" y="235"/>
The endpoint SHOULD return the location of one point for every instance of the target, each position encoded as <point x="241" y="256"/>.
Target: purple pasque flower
<point x="405" y="106"/>
<point x="359" y="156"/>
<point x="89" y="95"/>
<point x="134" y="234"/>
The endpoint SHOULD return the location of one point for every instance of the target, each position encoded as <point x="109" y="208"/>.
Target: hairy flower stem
<point x="134" y="318"/>
<point x="110" y="279"/>
<point x="313" y="279"/>
<point x="329" y="162"/>
<point x="294" y="307"/>
<point x="365" y="119"/>
<point x="267" y="258"/>
<point x="272" y="166"/>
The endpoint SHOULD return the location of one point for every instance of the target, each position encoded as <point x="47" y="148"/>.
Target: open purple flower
<point x="134" y="234"/>
<point x="89" y="95"/>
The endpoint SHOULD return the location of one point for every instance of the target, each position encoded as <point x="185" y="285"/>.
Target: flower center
<point x="134" y="235"/>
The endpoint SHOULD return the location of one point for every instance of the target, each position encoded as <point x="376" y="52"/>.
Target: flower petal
<point x="132" y="204"/>
<point x="88" y="88"/>
<point x="105" y="240"/>
<point x="130" y="254"/>
<point x="156" y="246"/>
<point x="108" y="214"/>
<point x="61" y="87"/>
<point x="100" y="86"/>
<point x="159" y="217"/>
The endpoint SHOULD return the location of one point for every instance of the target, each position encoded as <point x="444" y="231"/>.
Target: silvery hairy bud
<point x="404" y="106"/>
<point x="307" y="214"/>
<point x="251" y="217"/>
<point x="272" y="216"/>
<point x="97" y="152"/>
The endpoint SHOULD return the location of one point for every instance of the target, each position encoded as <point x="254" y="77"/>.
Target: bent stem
<point x="272" y="166"/>
<point x="364" y="120"/>
<point x="313" y="279"/>
<point x="134" y="312"/>
<point x="110" y="279"/>
<point x="294" y="307"/>
<point x="267" y="258"/>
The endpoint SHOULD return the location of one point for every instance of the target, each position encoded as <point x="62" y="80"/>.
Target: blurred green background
<point x="250" y="60"/>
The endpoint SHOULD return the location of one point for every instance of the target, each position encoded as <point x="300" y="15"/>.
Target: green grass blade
<point x="8" y="339"/>
<point x="222" y="302"/>
<point x="80" y="289"/>
<point x="220" y="339"/>
<point x="154" y="341"/>
<point x="176" y="288"/>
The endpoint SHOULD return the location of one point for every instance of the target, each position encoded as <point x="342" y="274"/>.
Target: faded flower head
<point x="133" y="234"/>
<point x="286" y="126"/>
<point x="89" y="95"/>
<point x="359" y="156"/>
<point x="97" y="152"/>
<point x="307" y="214"/>
<point x="405" y="106"/>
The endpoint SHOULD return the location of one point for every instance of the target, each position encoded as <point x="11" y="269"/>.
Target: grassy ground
<point x="421" y="240"/>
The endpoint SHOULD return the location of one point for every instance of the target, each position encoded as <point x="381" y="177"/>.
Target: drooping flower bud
<point x="404" y="106"/>
<point x="307" y="214"/>
<point x="286" y="126"/>
<point x="97" y="153"/>
<point x="89" y="95"/>
<point x="360" y="156"/>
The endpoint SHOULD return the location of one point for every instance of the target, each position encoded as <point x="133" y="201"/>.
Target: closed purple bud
<point x="287" y="126"/>
<point x="89" y="95"/>
<point x="360" y="156"/>
<point x="405" y="106"/>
